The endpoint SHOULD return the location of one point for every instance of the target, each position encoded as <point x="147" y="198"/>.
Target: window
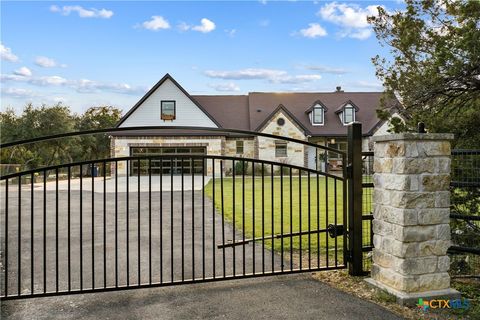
<point x="239" y="146"/>
<point x="168" y="110"/>
<point x="280" y="121"/>
<point x="348" y="114"/>
<point x="342" y="146"/>
<point x="317" y="115"/>
<point x="280" y="149"/>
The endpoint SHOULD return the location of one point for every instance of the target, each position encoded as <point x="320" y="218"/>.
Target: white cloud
<point x="314" y="30"/>
<point x="18" y="93"/>
<point x="156" y="23"/>
<point x="360" y="34"/>
<point x="82" y="12"/>
<point x="327" y="69"/>
<point x="49" y="81"/>
<point x="90" y="86"/>
<point x="244" y="74"/>
<point x="47" y="62"/>
<point x="297" y="78"/>
<point x="184" y="26"/>
<point x="271" y="75"/>
<point x="371" y="85"/>
<point x="225" y="87"/>
<point x="82" y="85"/>
<point x="350" y="17"/>
<point x="6" y="54"/>
<point x="205" y="26"/>
<point x="23" y="71"/>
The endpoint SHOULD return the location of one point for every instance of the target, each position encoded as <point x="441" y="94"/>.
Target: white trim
<point x="311" y="115"/>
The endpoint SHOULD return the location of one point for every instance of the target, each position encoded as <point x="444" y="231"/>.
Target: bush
<point x="241" y="167"/>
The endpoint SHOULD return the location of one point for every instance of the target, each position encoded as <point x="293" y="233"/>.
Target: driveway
<point x="165" y="183"/>
<point x="171" y="256"/>
<point x="279" y="297"/>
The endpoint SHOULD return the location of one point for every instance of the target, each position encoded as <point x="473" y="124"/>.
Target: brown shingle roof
<point x="230" y="111"/>
<point x="249" y="112"/>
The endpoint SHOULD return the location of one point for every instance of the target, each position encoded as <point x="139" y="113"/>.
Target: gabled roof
<point x="252" y="111"/>
<point x="154" y="88"/>
<point x="261" y="105"/>
<point x="318" y="102"/>
<point x="281" y="108"/>
<point x="340" y="109"/>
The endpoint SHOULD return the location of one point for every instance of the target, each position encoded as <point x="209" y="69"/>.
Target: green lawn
<point x="328" y="193"/>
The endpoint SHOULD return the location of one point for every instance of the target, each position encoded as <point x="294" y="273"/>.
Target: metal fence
<point x="465" y="213"/>
<point x="367" y="209"/>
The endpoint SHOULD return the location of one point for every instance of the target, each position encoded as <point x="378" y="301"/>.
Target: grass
<point x="301" y="207"/>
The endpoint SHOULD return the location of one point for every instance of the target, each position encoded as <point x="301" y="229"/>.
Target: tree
<point x="36" y="122"/>
<point x="434" y="68"/>
<point x="97" y="146"/>
<point x="49" y="120"/>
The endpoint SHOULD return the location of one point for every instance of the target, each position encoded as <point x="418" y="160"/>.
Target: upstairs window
<point x="168" y="110"/>
<point x="280" y="149"/>
<point x="239" y="147"/>
<point x="348" y="114"/>
<point x="318" y="115"/>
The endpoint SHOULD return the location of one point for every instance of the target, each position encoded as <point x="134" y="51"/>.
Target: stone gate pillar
<point x="411" y="216"/>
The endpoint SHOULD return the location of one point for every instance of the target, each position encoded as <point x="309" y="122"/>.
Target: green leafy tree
<point x="434" y="66"/>
<point x="49" y="120"/>
<point x="97" y="146"/>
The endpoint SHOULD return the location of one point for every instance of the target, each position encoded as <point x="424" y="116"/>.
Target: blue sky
<point x="89" y="53"/>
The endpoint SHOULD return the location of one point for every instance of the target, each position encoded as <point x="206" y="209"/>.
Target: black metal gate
<point x="65" y="232"/>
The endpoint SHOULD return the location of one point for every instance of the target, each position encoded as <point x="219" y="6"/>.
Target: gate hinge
<point x="335" y="230"/>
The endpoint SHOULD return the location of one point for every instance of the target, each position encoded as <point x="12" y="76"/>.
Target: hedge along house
<point x="316" y="117"/>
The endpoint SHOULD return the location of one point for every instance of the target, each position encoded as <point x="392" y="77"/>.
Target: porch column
<point x="411" y="216"/>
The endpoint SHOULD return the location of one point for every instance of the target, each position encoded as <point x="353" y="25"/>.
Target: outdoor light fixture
<point x="332" y="141"/>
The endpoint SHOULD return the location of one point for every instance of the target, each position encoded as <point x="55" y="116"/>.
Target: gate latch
<point x="335" y="230"/>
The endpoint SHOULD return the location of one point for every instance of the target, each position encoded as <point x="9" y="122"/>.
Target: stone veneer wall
<point x="295" y="151"/>
<point x="231" y="150"/>
<point x="411" y="215"/>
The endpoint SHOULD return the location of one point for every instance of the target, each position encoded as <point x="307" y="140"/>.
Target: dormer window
<point x="167" y="110"/>
<point x="348" y="114"/>
<point x="316" y="113"/>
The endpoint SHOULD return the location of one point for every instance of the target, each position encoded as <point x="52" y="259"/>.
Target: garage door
<point x="165" y="165"/>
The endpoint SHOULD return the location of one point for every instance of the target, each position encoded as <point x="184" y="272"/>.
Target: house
<point x="317" y="117"/>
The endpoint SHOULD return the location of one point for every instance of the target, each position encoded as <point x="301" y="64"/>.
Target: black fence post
<point x="355" y="265"/>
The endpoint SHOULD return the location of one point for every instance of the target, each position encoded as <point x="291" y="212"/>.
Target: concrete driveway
<point x="279" y="297"/>
<point x="167" y="183"/>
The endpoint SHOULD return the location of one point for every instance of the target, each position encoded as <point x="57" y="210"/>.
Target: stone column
<point x="411" y="216"/>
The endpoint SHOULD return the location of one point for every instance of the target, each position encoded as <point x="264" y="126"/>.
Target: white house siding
<point x="187" y="112"/>
<point x="296" y="152"/>
<point x="121" y="147"/>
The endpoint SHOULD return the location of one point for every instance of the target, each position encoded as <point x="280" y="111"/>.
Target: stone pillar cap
<point x="413" y="136"/>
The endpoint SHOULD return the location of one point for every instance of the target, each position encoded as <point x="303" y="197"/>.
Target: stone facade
<point x="411" y="215"/>
<point x="231" y="149"/>
<point x="296" y="152"/>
